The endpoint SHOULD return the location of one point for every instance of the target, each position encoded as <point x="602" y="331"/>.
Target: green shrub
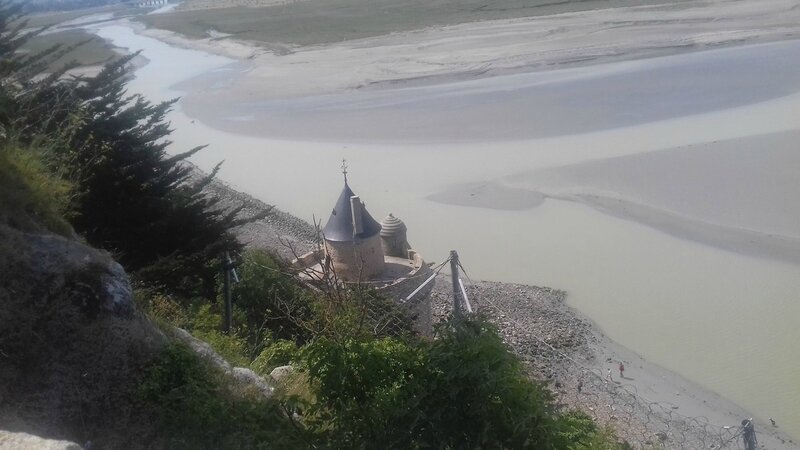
<point x="30" y="194"/>
<point x="367" y="392"/>
<point x="195" y="408"/>
<point x="229" y="346"/>
<point x="275" y="354"/>
<point x="465" y="390"/>
<point x="206" y="326"/>
<point x="204" y="318"/>
<point x="166" y="308"/>
<point x="271" y="301"/>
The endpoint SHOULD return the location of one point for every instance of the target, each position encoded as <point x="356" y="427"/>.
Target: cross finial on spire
<point x="344" y="169"/>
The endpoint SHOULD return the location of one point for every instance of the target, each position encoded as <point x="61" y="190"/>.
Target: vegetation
<point x="272" y="304"/>
<point x="312" y="22"/>
<point x="131" y="197"/>
<point x="88" y="49"/>
<point x="195" y="407"/>
<point x="32" y="6"/>
<point x="32" y="197"/>
<point x="463" y="390"/>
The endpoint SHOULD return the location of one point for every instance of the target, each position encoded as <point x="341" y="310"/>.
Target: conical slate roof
<point x="340" y="225"/>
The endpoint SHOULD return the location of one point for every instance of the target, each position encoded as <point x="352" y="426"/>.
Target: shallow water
<point x="726" y="321"/>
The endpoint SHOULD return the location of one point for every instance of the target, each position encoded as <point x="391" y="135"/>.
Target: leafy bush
<point x="195" y="408"/>
<point x="206" y="326"/>
<point x="367" y="392"/>
<point x="464" y="390"/>
<point x="164" y="308"/>
<point x="272" y="302"/>
<point x="275" y="354"/>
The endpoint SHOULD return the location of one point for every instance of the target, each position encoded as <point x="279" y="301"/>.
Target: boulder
<point x="279" y="374"/>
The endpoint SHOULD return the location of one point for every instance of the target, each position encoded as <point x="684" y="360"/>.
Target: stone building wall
<point x="357" y="261"/>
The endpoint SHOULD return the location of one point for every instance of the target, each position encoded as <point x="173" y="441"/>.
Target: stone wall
<point x="356" y="261"/>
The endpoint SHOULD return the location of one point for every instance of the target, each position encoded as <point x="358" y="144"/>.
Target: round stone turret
<point x="352" y="240"/>
<point x="393" y="237"/>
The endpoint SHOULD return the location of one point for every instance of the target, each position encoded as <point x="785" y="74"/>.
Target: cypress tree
<point x="133" y="199"/>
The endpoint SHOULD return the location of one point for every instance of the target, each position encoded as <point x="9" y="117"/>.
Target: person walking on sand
<point x="608" y="376"/>
<point x="621" y="370"/>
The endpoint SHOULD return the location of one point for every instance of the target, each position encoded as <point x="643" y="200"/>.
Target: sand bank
<point x="736" y="194"/>
<point x="510" y="107"/>
<point x="482" y="49"/>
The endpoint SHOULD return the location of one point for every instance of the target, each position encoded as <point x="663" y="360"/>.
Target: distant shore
<point x="495" y="47"/>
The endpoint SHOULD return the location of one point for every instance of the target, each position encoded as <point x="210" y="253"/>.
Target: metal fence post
<point x="454" y="278"/>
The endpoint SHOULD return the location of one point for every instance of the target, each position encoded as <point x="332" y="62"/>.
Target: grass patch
<point x="50" y="18"/>
<point x="324" y="21"/>
<point x="30" y="195"/>
<point x="195" y="407"/>
<point x="92" y="51"/>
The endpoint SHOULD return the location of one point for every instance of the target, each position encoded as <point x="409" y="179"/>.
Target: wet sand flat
<point x="735" y="194"/>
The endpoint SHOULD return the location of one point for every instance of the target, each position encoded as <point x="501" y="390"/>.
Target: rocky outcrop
<point x="72" y="344"/>
<point x="245" y="377"/>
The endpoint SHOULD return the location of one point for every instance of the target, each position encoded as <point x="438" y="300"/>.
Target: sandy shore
<point x="498" y="47"/>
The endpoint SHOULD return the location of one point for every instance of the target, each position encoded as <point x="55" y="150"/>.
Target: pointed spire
<point x="344" y="169"/>
<point x="341" y="226"/>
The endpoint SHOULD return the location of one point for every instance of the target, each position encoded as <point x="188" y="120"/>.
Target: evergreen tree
<point x="133" y="198"/>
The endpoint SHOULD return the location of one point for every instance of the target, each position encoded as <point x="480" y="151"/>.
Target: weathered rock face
<point x="81" y="271"/>
<point x="72" y="343"/>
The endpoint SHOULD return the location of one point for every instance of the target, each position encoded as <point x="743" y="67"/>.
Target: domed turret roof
<point x="340" y="224"/>
<point x="391" y="226"/>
